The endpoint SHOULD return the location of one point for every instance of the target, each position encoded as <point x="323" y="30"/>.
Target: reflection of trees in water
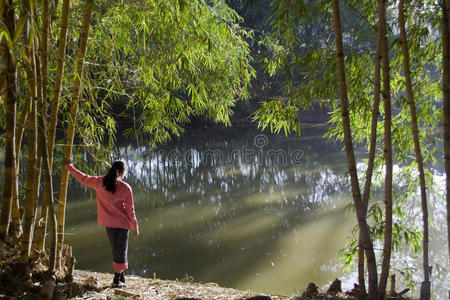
<point x="166" y="172"/>
<point x="236" y="188"/>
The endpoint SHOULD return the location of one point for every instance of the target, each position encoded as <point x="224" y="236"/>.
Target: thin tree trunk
<point x="71" y="127"/>
<point x="36" y="185"/>
<point x="48" y="182"/>
<point x="372" y="148"/>
<point x="59" y="76"/>
<point x="16" y="224"/>
<point x="38" y="169"/>
<point x="356" y="193"/>
<point x="31" y="141"/>
<point x="425" y="290"/>
<point x="54" y="106"/>
<point x="30" y="177"/>
<point x="40" y="241"/>
<point x="48" y="287"/>
<point x="7" y="12"/>
<point x="446" y="106"/>
<point x="387" y="245"/>
<point x="21" y="124"/>
<point x="44" y="51"/>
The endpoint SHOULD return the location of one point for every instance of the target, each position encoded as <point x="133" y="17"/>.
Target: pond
<point x="245" y="209"/>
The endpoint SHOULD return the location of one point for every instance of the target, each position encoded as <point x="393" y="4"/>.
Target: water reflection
<point x="231" y="206"/>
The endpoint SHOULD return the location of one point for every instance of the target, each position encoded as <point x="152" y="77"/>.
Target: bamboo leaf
<point x="19" y="27"/>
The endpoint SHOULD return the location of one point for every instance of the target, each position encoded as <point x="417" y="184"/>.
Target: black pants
<point x="118" y="238"/>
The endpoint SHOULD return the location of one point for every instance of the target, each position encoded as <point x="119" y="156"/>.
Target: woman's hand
<point x="135" y="233"/>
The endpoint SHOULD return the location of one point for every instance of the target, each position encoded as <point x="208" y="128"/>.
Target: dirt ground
<point x="144" y="288"/>
<point x="29" y="280"/>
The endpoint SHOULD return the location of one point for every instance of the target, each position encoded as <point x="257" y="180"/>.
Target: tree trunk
<point x="372" y="148"/>
<point x="15" y="212"/>
<point x="40" y="242"/>
<point x="38" y="168"/>
<point x="446" y="106"/>
<point x="425" y="291"/>
<point x="30" y="177"/>
<point x="387" y="246"/>
<point x="48" y="182"/>
<point x="31" y="142"/>
<point x="356" y="193"/>
<point x="58" y="81"/>
<point x="54" y="106"/>
<point x="71" y="127"/>
<point x="47" y="290"/>
<point x="7" y="12"/>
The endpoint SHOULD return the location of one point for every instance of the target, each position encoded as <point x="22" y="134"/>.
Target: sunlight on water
<point x="246" y="227"/>
<point x="276" y="198"/>
<point x="306" y="254"/>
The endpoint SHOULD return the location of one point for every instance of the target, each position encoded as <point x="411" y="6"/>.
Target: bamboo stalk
<point x="356" y="193"/>
<point x="47" y="290"/>
<point x="7" y="17"/>
<point x="71" y="127"/>
<point x="446" y="107"/>
<point x="58" y="81"/>
<point x="48" y="182"/>
<point x="38" y="167"/>
<point x="30" y="179"/>
<point x="40" y="242"/>
<point x="371" y="158"/>
<point x="387" y="243"/>
<point x="31" y="141"/>
<point x="425" y="291"/>
<point x="21" y="124"/>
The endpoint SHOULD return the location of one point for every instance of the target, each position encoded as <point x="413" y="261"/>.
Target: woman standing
<point x="115" y="211"/>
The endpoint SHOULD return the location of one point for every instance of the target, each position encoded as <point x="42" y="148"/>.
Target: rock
<point x="356" y="291"/>
<point x="311" y="291"/>
<point x="92" y="282"/>
<point x="259" y="298"/>
<point x="335" y="287"/>
<point x="46" y="291"/>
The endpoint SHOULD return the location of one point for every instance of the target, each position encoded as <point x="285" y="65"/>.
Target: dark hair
<point x="110" y="179"/>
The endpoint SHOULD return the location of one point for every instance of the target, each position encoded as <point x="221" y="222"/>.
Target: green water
<point x="232" y="206"/>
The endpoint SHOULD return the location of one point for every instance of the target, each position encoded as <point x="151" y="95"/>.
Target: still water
<point x="246" y="210"/>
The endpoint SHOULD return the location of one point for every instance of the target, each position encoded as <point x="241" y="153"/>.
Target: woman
<point x="115" y="211"/>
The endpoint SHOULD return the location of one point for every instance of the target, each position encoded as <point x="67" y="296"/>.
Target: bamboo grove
<point x="71" y="70"/>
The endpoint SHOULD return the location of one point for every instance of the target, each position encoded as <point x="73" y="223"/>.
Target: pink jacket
<point x="113" y="210"/>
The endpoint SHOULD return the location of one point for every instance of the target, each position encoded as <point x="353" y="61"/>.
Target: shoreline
<point x="137" y="287"/>
<point x="146" y="288"/>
